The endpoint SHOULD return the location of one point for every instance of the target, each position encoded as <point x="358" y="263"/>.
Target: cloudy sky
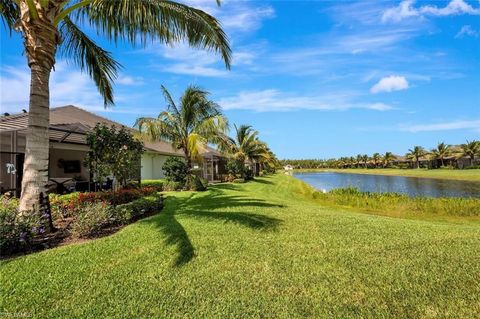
<point x="318" y="79"/>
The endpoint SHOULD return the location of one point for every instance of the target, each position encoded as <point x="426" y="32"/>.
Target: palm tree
<point x="358" y="160"/>
<point x="471" y="149"/>
<point x="189" y="126"/>
<point x="49" y="27"/>
<point x="244" y="146"/>
<point x="365" y="159"/>
<point x="388" y="158"/>
<point x="441" y="151"/>
<point x="415" y="154"/>
<point x="376" y="159"/>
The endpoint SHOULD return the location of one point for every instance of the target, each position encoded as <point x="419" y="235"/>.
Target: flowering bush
<point x="16" y="231"/>
<point x="68" y="205"/>
<point x="91" y="218"/>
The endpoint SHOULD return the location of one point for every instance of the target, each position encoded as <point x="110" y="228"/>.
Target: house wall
<point x="152" y="164"/>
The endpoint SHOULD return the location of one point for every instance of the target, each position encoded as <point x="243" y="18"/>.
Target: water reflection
<point x="411" y="186"/>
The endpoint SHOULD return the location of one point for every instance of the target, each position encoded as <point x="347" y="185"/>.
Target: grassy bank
<point x="454" y="174"/>
<point x="261" y="249"/>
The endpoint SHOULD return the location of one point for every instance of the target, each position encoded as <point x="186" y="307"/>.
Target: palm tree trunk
<point x="40" y="41"/>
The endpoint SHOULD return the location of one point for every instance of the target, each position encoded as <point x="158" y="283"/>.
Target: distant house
<point x="68" y="148"/>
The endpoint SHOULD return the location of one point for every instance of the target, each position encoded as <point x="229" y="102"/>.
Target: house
<point x="68" y="128"/>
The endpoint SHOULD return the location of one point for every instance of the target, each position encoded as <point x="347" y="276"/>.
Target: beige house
<point x="68" y="128"/>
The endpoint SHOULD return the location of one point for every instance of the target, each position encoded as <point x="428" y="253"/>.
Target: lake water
<point x="411" y="186"/>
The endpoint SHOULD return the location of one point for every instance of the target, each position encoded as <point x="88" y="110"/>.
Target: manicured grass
<point x="455" y="174"/>
<point x="260" y="249"/>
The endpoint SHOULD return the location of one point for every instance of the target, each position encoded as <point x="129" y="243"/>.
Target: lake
<point x="412" y="186"/>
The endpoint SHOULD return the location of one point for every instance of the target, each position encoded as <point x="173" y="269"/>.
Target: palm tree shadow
<point x="206" y="207"/>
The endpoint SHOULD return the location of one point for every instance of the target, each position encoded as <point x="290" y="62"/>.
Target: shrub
<point x="91" y="218"/>
<point x="155" y="183"/>
<point x="175" y="169"/>
<point x="194" y="183"/>
<point x="16" y="232"/>
<point x="235" y="168"/>
<point x="138" y="208"/>
<point x="248" y="174"/>
<point x="64" y="206"/>
<point x="173" y="186"/>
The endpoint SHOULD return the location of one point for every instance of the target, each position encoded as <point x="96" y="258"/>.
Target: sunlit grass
<point x="261" y="249"/>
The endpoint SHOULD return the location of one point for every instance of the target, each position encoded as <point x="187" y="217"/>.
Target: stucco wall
<point x="152" y="165"/>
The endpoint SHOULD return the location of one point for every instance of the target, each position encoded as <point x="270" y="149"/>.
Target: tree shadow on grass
<point x="205" y="206"/>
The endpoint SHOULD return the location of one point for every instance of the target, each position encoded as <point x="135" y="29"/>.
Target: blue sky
<point x="318" y="79"/>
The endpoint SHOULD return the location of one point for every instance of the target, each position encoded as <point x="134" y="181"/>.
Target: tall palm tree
<point x="244" y="146"/>
<point x="189" y="126"/>
<point x="376" y="159"/>
<point x="415" y="154"/>
<point x="441" y="151"/>
<point x="358" y="160"/>
<point x="471" y="149"/>
<point x="365" y="160"/>
<point x="388" y="158"/>
<point x="49" y="27"/>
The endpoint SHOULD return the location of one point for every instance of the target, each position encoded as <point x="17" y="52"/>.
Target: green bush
<point x="173" y="186"/>
<point x="175" y="169"/>
<point x="156" y="183"/>
<point x="123" y="214"/>
<point x="248" y="174"/>
<point x="194" y="183"/>
<point x="91" y="218"/>
<point x="235" y="168"/>
<point x="16" y="232"/>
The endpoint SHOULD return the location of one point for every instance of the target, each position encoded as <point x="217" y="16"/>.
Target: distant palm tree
<point x="49" y="27"/>
<point x="358" y="160"/>
<point x="416" y="153"/>
<point x="189" y="126"/>
<point x="388" y="158"/>
<point x="365" y="159"/>
<point x="471" y="149"/>
<point x="441" y="151"/>
<point x="244" y="147"/>
<point x="376" y="159"/>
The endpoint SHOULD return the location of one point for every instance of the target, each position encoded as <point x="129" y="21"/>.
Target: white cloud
<point x="389" y="84"/>
<point x="129" y="80"/>
<point x="67" y="86"/>
<point x="467" y="30"/>
<point x="271" y="100"/>
<point x="445" y="126"/>
<point x="407" y="10"/>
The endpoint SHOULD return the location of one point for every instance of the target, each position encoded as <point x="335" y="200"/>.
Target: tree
<point x="358" y="160"/>
<point x="471" y="149"/>
<point x="189" y="126"/>
<point x="388" y="158"/>
<point x="49" y="27"/>
<point x="114" y="152"/>
<point x="415" y="154"/>
<point x="244" y="146"/>
<point x="365" y="160"/>
<point x="441" y="151"/>
<point x="376" y="159"/>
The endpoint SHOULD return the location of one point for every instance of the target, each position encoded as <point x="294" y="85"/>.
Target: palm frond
<point x="157" y="20"/>
<point x="9" y="12"/>
<point x="98" y="63"/>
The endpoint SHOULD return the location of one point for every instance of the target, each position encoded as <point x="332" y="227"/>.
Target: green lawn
<point x="261" y="249"/>
<point x="456" y="174"/>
